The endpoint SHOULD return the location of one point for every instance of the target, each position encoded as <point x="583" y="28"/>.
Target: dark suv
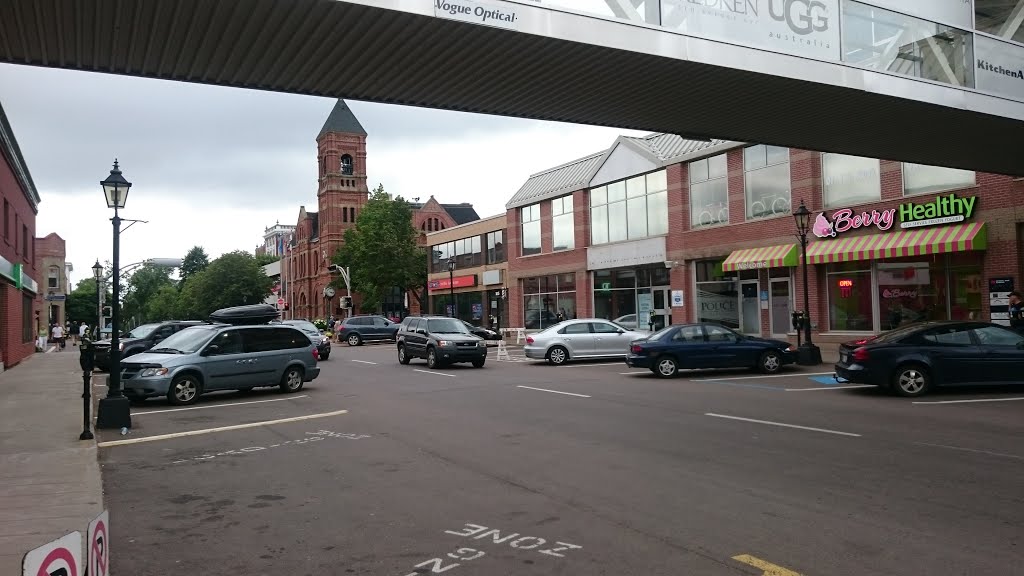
<point x="140" y="339"/>
<point x="359" y="329"/>
<point x="439" y="339"/>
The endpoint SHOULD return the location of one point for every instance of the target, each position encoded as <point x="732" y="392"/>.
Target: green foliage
<point x="81" y="305"/>
<point x="194" y="262"/>
<point x="142" y="287"/>
<point x="264" y="259"/>
<point x="381" y="250"/>
<point x="164" y="305"/>
<point x="234" y="279"/>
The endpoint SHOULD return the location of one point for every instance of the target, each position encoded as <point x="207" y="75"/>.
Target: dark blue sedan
<point x="696" y="346"/>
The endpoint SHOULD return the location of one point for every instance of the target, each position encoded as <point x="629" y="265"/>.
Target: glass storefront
<point x="630" y="295"/>
<point x="469" y="306"/>
<point x="880" y="296"/>
<point x="548" y="300"/>
<point x="717" y="298"/>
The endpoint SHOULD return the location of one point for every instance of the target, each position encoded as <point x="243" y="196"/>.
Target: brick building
<point x="341" y="194"/>
<point x="51" y="255"/>
<point x="19" y="312"/>
<point x="481" y="267"/>
<point x="704" y="231"/>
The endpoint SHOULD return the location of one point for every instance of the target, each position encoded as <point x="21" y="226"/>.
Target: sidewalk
<point x="49" y="479"/>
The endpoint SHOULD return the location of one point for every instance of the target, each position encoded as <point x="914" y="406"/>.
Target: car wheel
<point x="558" y="355"/>
<point x="911" y="380"/>
<point x="666" y="367"/>
<point x="291" y="382"/>
<point x="325" y="356"/>
<point x="185" y="389"/>
<point x="403" y="358"/>
<point x="479" y="363"/>
<point x="431" y="358"/>
<point x="354" y="340"/>
<point x="770" y="362"/>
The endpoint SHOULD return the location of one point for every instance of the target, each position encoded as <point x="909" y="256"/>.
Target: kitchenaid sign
<point x="999" y="67"/>
<point x="500" y="15"/>
<point x="944" y="209"/>
<point x="800" y="27"/>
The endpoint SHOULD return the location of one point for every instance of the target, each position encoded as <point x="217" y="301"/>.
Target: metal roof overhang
<point x="558" y="66"/>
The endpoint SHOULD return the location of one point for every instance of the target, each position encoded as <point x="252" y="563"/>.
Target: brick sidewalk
<point x="49" y="479"/>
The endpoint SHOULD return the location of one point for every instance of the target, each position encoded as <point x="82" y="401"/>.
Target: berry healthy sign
<point x="943" y="210"/>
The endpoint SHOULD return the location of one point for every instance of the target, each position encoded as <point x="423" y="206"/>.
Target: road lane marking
<point x="313" y="437"/>
<point x="787" y="375"/>
<point x="969" y="401"/>
<point x="363" y="361"/>
<point x="589" y="365"/>
<point x="768" y="568"/>
<point x="219" y="405"/>
<point x="554" y="391"/>
<point x="634" y="372"/>
<point x="434" y="372"/>
<point x="1000" y="454"/>
<point x="832" y="388"/>
<point x="782" y="424"/>
<point x="221" y="429"/>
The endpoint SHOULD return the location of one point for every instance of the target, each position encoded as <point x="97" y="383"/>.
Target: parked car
<point x="914" y="359"/>
<point x="707" y="345"/>
<point x="322" y="341"/>
<point x="628" y="321"/>
<point x="359" y="329"/>
<point x="209" y="357"/>
<point x="536" y="319"/>
<point x="441" y="340"/>
<point x="482" y="332"/>
<point x="140" y="339"/>
<point x="579" y="339"/>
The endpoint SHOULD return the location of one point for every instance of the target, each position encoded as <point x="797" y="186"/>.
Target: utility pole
<point x="347" y="277"/>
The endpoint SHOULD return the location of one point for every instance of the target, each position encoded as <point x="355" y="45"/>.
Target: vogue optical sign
<point x="943" y="210"/>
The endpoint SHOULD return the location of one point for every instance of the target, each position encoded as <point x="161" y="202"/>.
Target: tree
<point x="234" y="279"/>
<point x="264" y="259"/>
<point x="165" y="305"/>
<point x="381" y="249"/>
<point x="143" y="285"/>
<point x="81" y="304"/>
<point x="195" y="261"/>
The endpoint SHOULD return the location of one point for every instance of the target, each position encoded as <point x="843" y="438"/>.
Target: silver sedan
<point x="579" y="339"/>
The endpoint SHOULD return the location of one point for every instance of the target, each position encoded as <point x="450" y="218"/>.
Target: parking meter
<point x="86" y="359"/>
<point x="86" y="355"/>
<point x="799" y="320"/>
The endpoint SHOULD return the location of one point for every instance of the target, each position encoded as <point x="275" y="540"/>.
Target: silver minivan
<point x="212" y="357"/>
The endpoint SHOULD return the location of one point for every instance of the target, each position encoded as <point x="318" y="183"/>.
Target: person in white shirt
<point x="58" y="335"/>
<point x="83" y="331"/>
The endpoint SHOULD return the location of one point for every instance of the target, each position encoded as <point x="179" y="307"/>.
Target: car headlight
<point x="481" y="344"/>
<point x="791" y="348"/>
<point x="120" y="346"/>
<point x="150" y="372"/>
<point x="444" y="343"/>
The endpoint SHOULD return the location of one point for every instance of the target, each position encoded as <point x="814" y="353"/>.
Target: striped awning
<point x="755" y="258"/>
<point x="911" y="242"/>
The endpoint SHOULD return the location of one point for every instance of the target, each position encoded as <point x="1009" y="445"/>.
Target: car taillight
<point x="529" y="339"/>
<point x="316" y="354"/>
<point x="860" y="355"/>
<point x="636" y="349"/>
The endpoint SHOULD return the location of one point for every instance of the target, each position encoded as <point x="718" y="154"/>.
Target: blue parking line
<point x="826" y="380"/>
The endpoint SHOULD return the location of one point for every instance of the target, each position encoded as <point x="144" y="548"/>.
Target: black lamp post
<point x="451" y="284"/>
<point x="115" y="409"/>
<point x="809" y="354"/>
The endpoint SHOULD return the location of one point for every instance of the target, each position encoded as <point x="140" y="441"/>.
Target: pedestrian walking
<point x="83" y="331"/>
<point x="58" y="335"/>
<point x="1016" y="312"/>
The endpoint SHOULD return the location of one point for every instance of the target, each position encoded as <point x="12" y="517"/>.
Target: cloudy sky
<point x="214" y="166"/>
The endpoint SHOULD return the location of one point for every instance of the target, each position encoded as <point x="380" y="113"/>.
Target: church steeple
<point x="342" y="120"/>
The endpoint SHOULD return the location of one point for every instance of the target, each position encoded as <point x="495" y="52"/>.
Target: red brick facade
<point x="997" y="207"/>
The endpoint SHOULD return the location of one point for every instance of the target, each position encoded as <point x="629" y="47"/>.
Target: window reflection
<point x="850" y="180"/>
<point x="709" y="191"/>
<point x="563" y="229"/>
<point x="629" y="209"/>
<point x="922" y="179"/>
<point x="1000" y="18"/>
<point x="766" y="181"/>
<point x="530" y="218"/>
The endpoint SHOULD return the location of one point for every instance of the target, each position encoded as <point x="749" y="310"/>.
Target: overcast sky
<point x="214" y="166"/>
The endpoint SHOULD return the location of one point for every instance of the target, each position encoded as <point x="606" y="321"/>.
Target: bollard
<point x="86" y="360"/>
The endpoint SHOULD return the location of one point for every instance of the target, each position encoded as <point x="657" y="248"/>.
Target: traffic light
<point x="346" y="302"/>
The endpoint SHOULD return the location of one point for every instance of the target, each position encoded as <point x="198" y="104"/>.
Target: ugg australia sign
<point x="497" y="14"/>
<point x="942" y="210"/>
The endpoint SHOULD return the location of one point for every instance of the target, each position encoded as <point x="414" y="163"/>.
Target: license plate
<point x="843" y="357"/>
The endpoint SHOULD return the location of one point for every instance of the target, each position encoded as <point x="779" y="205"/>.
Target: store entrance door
<point x="750" y="308"/>
<point x="658" y="301"/>
<point x="782" y="306"/>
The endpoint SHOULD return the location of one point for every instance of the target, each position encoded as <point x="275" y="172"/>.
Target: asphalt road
<point x="522" y="468"/>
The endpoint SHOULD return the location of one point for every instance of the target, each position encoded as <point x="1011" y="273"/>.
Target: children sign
<point x="943" y="210"/>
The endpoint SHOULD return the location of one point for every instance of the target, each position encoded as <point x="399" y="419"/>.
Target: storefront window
<point x="766" y="181"/>
<point x="922" y="179"/>
<point x="850" y="180"/>
<point x="911" y="292"/>
<point x="850" y="302"/>
<point x="965" y="292"/>
<point x="1000" y="18"/>
<point x="717" y="298"/>
<point x="629" y="209"/>
<point x="563" y="228"/>
<point x="709" y="191"/>
<point x="530" y="221"/>
<point x="495" y="247"/>
<point x="892" y="42"/>
<point x="548" y="300"/>
<point x="469" y="306"/>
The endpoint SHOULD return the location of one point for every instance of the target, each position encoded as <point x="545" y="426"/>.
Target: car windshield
<point x="186" y="341"/>
<point x="446" y="326"/>
<point x="304" y="326"/>
<point x="142" y="331"/>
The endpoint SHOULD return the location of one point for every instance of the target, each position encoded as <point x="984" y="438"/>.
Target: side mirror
<point x="621" y="331"/>
<point x="211" y="350"/>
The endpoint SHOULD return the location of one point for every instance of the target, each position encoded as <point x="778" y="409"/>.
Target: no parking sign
<point x="98" y="550"/>
<point x="62" y="557"/>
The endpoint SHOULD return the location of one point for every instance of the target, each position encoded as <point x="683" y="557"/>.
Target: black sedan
<point x="696" y="346"/>
<point x="482" y="332"/>
<point x="913" y="359"/>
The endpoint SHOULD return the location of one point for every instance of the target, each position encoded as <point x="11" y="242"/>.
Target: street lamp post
<point x="809" y="354"/>
<point x="451" y="284"/>
<point x="115" y="409"/>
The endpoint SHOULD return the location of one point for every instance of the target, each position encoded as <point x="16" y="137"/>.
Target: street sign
<point x="280" y="302"/>
<point x="98" y="550"/>
<point x="62" y="557"/>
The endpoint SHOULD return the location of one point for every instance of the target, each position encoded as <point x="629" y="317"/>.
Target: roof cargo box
<point x="245" y="315"/>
